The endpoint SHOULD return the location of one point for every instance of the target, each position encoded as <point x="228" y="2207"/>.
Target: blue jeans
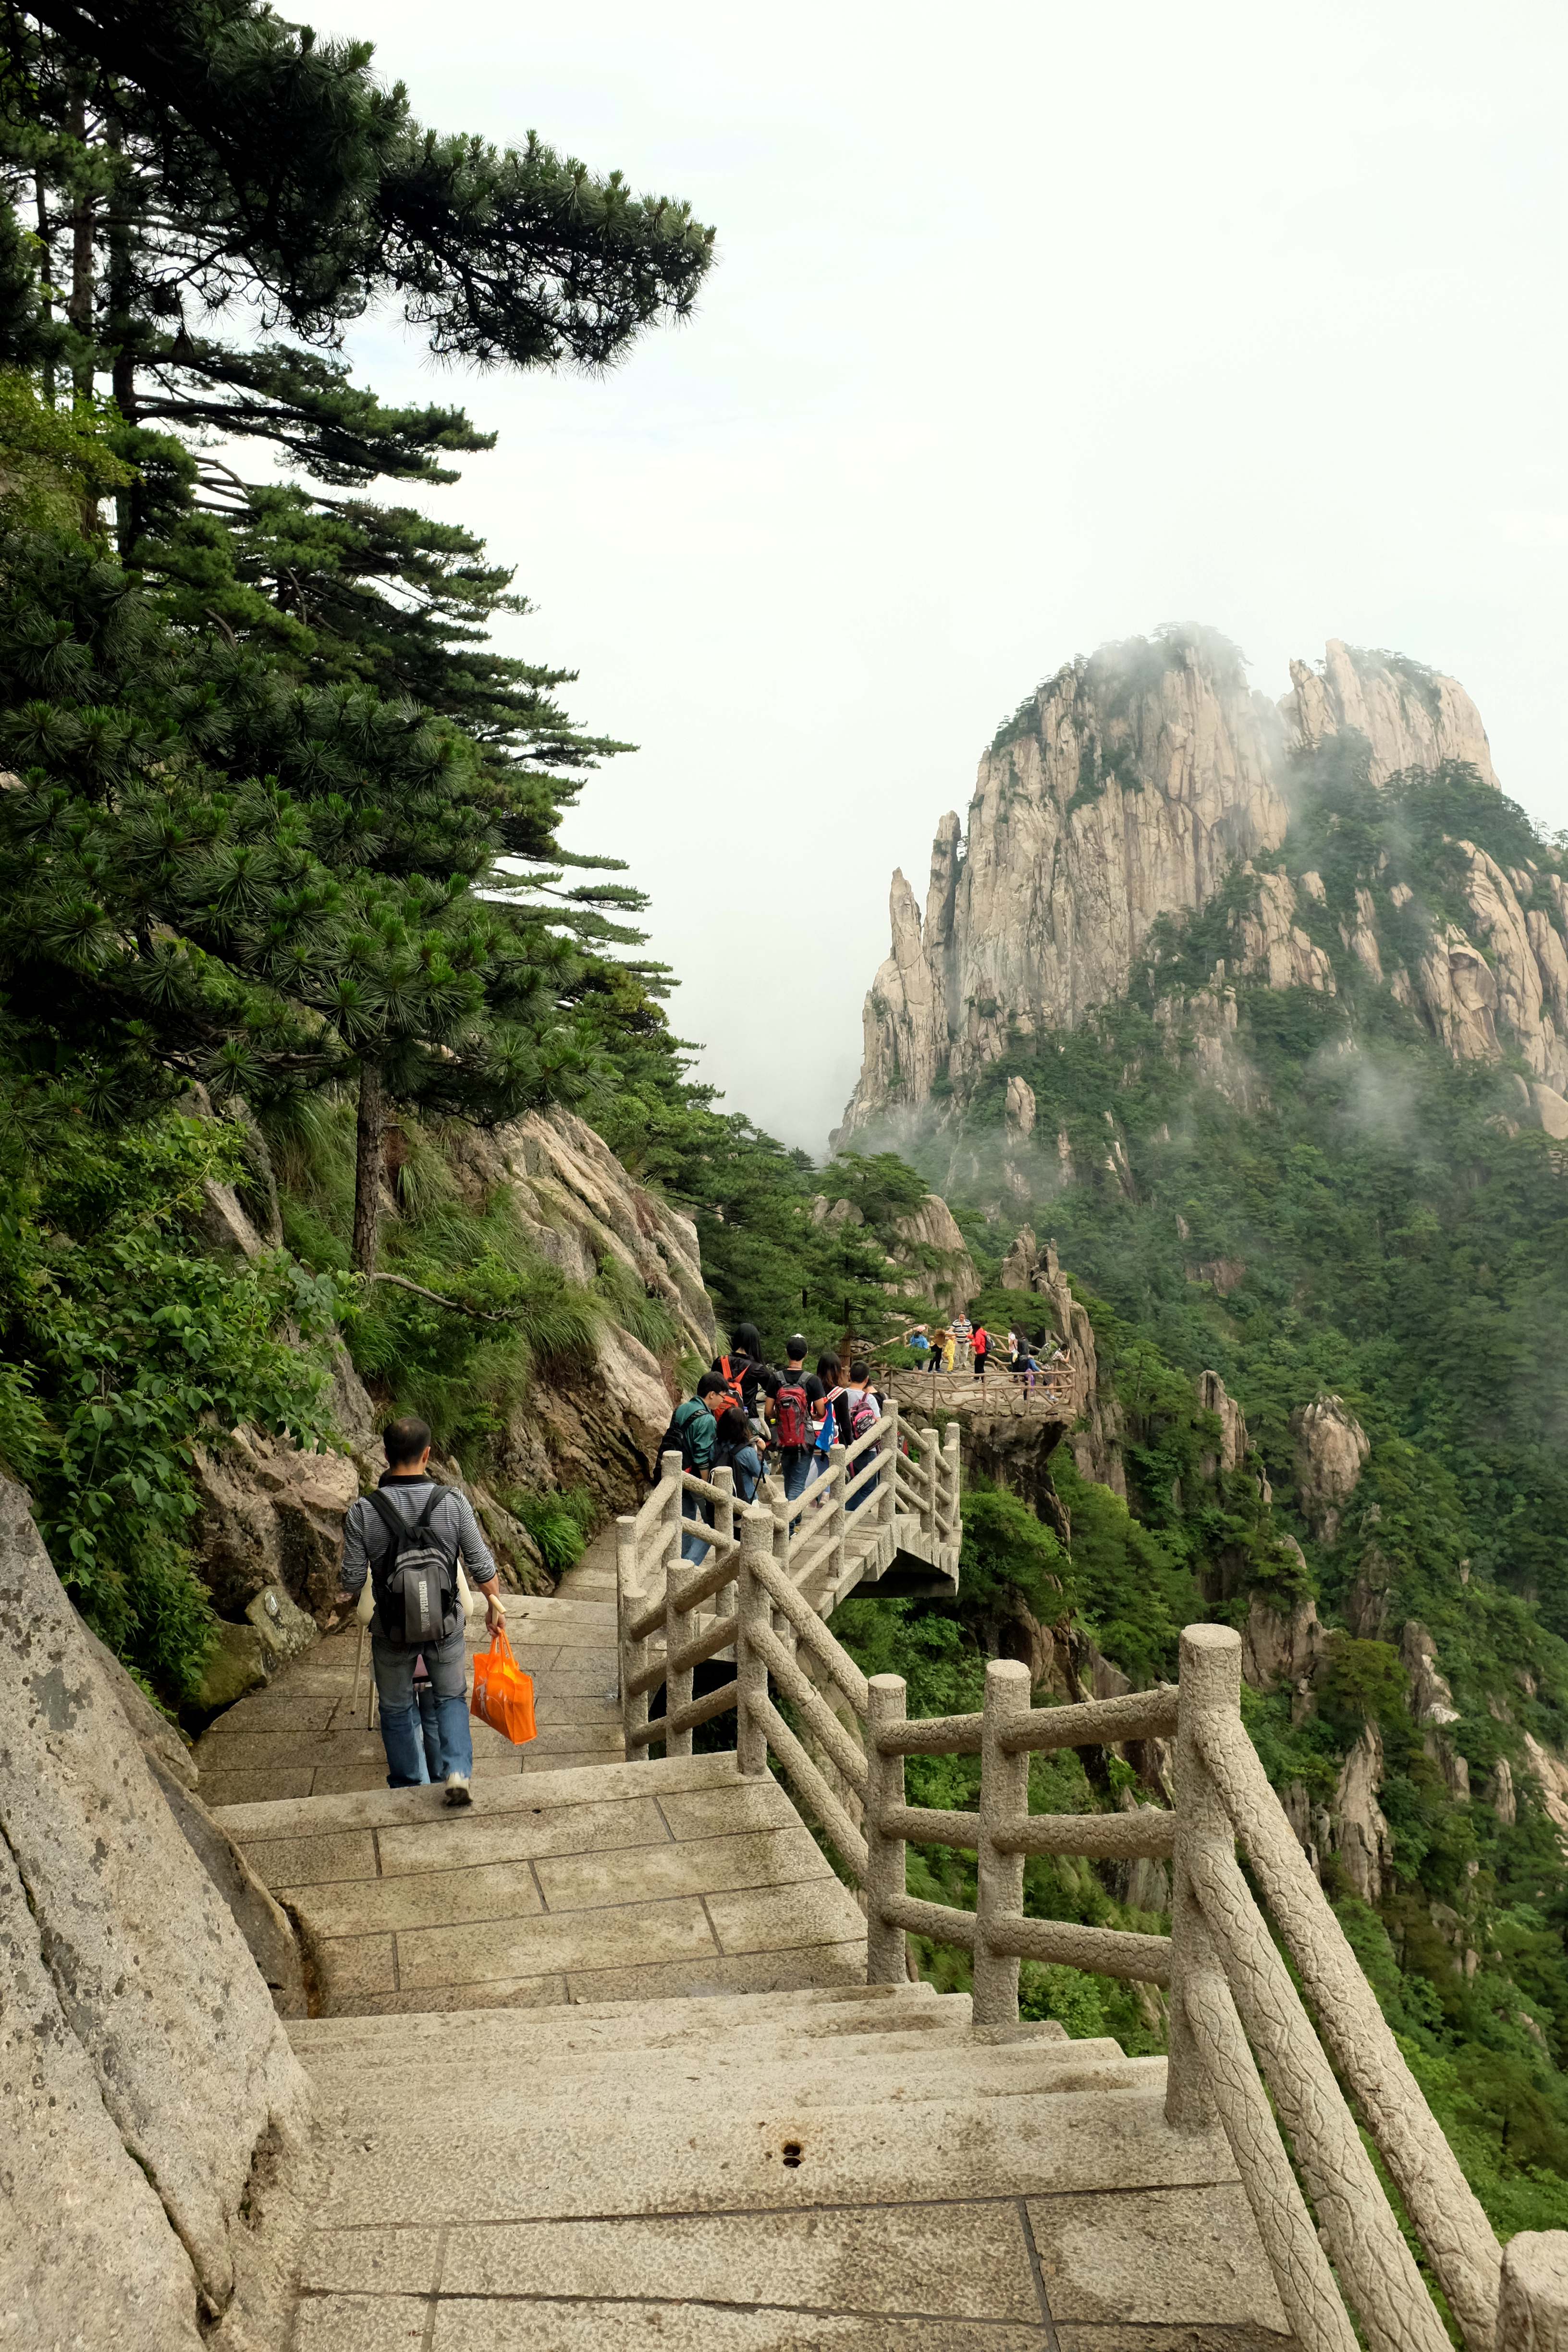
<point x="692" y="1547"/>
<point x="748" y="1469"/>
<point x="864" y="1461"/>
<point x="796" y="1470"/>
<point x="429" y="1708"/>
<point x="402" y="1733"/>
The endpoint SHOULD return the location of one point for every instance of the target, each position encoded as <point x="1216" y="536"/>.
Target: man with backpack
<point x="980" y="1349"/>
<point x="862" y="1409"/>
<point x="693" y="1433"/>
<point x="407" y="1538"/>
<point x="747" y="1377"/>
<point x="795" y="1400"/>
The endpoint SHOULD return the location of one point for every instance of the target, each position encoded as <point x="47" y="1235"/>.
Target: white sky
<point x="1032" y="326"/>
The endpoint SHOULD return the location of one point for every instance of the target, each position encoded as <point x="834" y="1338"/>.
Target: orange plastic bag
<point x="503" y="1693"/>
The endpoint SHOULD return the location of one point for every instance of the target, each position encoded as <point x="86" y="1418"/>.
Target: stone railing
<point x="892" y="1489"/>
<point x="1050" y="1394"/>
<point x="1246" y="2050"/>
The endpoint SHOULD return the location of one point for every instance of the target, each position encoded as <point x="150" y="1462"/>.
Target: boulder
<point x="86" y="2254"/>
<point x="264" y="1925"/>
<point x="1281" y="1646"/>
<point x="269" y="1934"/>
<point x="158" y="1738"/>
<point x="1431" y="1699"/>
<point x="1331" y="1448"/>
<point x="1500" y="1792"/>
<point x="1232" y="1454"/>
<point x="1020" y="1106"/>
<point x="270" y="1515"/>
<point x="1362" y="1839"/>
<point x="931" y="1233"/>
<point x="235" y="1665"/>
<point x="129" y="1961"/>
<point x="1019" y="1263"/>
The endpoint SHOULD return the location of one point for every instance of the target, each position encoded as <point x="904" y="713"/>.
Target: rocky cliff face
<point x="269" y="1534"/>
<point x="1130" y="786"/>
<point x="1124" y="789"/>
<point x="150" y="2107"/>
<point x="1410" y="717"/>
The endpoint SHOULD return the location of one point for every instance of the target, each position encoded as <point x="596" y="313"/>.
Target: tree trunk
<point x="46" y="275"/>
<point x="368" y="1151"/>
<point x="121" y="332"/>
<point x="79" y="308"/>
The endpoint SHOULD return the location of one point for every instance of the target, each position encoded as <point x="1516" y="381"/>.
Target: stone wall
<point x="153" y="2120"/>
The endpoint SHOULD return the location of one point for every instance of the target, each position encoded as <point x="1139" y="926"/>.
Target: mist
<point x="1032" y="328"/>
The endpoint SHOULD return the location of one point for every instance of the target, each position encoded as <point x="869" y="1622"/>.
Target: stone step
<point x="793" y="2073"/>
<point x="770" y="2153"/>
<point x="377" y="1808"/>
<point x="617" y="2024"/>
<point x="725" y="2043"/>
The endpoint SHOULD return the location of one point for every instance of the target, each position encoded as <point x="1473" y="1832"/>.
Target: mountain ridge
<point x="1136" y="786"/>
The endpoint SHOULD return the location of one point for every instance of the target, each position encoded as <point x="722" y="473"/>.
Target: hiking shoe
<point x="457" y="1790"/>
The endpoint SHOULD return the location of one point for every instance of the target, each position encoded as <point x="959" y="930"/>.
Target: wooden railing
<point x="1246" y="2051"/>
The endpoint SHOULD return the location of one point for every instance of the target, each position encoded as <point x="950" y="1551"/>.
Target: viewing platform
<point x="1052" y="1395"/>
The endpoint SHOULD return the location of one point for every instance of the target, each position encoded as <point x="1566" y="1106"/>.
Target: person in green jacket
<point x="695" y="1432"/>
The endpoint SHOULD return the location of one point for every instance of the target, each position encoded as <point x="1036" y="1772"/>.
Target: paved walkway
<point x="621" y="1882"/>
<point x="307" y="1736"/>
<point x="574" y="1876"/>
<point x="845" y="2170"/>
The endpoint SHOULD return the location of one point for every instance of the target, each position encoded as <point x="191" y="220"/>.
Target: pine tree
<point x="307" y="900"/>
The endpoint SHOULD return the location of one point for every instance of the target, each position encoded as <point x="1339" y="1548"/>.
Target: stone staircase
<point x="598" y="2066"/>
<point x="618" y="2056"/>
<point x="847" y="2167"/>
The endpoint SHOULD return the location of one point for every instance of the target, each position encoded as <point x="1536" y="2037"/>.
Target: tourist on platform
<point x="963" y="1332"/>
<point x="979" y="1348"/>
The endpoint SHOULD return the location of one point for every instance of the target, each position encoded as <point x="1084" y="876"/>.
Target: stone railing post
<point x="679" y="1624"/>
<point x="671" y="1468"/>
<point x="931" y="1463"/>
<point x="783" y="1543"/>
<point x="887" y="1491"/>
<point x="1003" y="1795"/>
<point x="1534" y="2313"/>
<point x="753" y="1611"/>
<point x="630" y="1598"/>
<point x="884" y="1865"/>
<point x="838" y="1471"/>
<point x="952" y="1455"/>
<point x="1210" y="1679"/>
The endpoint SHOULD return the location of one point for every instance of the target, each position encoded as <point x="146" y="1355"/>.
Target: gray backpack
<point x="416" y="1583"/>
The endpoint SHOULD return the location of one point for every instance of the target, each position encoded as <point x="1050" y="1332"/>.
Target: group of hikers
<point x="413" y="1538"/>
<point x="746" y="1410"/>
<point x="961" y="1346"/>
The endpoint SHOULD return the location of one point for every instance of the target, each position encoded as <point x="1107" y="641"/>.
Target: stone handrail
<point x="893" y="1476"/>
<point x="1244" y="2050"/>
<point x="1052" y="1394"/>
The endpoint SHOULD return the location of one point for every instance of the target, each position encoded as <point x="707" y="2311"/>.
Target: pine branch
<point x="455" y="1305"/>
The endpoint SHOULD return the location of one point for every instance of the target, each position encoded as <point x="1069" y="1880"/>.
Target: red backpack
<point x="792" y="1408"/>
